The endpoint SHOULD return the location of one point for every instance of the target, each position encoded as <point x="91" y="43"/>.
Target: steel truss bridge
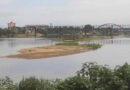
<point x="61" y="30"/>
<point x="113" y="26"/>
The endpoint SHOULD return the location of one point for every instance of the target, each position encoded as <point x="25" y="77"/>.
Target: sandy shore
<point x="49" y="51"/>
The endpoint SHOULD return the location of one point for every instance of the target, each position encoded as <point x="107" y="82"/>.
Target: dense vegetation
<point x="60" y="32"/>
<point x="17" y="33"/>
<point x="10" y="33"/>
<point x="93" y="46"/>
<point x="91" y="77"/>
<point x="68" y="43"/>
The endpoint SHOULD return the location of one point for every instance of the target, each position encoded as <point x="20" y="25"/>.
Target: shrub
<point x="91" y="77"/>
<point x="93" y="46"/>
<point x="68" y="43"/>
<point x="33" y="83"/>
<point x="7" y="84"/>
<point x="73" y="83"/>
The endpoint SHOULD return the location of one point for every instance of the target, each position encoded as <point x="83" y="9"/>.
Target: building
<point x="39" y="28"/>
<point x="42" y="26"/>
<point x="11" y="25"/>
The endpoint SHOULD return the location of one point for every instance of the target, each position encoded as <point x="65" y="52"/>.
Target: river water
<point x="113" y="52"/>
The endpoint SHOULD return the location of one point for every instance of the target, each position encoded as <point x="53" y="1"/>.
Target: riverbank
<point x="62" y="49"/>
<point x="21" y="35"/>
<point x="83" y="39"/>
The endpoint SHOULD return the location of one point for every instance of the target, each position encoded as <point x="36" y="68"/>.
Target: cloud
<point x="99" y="11"/>
<point x="6" y="1"/>
<point x="76" y="12"/>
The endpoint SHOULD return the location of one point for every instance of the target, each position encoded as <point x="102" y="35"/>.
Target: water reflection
<point x="113" y="52"/>
<point x="103" y="42"/>
<point x="10" y="46"/>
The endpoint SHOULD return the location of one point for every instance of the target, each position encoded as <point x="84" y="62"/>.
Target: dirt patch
<point x="49" y="51"/>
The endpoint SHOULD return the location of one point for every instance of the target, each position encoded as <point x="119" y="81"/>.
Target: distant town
<point x="50" y="31"/>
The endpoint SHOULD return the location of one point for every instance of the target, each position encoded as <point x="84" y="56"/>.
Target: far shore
<point x="83" y="39"/>
<point x="52" y="51"/>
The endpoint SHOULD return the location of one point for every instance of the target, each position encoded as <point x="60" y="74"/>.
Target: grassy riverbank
<point x="92" y="46"/>
<point x="21" y="35"/>
<point x="82" y="39"/>
<point x="61" y="49"/>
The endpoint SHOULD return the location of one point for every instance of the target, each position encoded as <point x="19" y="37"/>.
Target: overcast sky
<point x="64" y="12"/>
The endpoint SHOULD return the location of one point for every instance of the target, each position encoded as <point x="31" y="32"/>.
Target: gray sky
<point x="64" y="12"/>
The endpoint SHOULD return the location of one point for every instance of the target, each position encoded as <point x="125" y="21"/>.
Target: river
<point x="113" y="52"/>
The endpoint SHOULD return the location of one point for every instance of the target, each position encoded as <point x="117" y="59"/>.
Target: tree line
<point x="63" y="31"/>
<point x="91" y="77"/>
<point x="10" y="33"/>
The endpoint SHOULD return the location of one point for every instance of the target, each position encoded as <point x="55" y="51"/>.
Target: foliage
<point x="88" y="28"/>
<point x="68" y="43"/>
<point x="123" y="72"/>
<point x="96" y="77"/>
<point x="17" y="32"/>
<point x="102" y="78"/>
<point x="10" y="33"/>
<point x="91" y="77"/>
<point x="74" y="83"/>
<point x="93" y="46"/>
<point x="33" y="83"/>
<point x="7" y="84"/>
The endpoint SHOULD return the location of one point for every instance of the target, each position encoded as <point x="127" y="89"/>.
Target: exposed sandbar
<point x="49" y="51"/>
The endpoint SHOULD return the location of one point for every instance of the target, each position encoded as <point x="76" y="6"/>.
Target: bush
<point x="91" y="77"/>
<point x="7" y="84"/>
<point x="33" y="83"/>
<point x="74" y="83"/>
<point x="102" y="77"/>
<point x="93" y="46"/>
<point x="68" y="43"/>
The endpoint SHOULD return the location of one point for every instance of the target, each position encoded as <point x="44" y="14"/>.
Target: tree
<point x="88" y="28"/>
<point x="33" y="83"/>
<point x="74" y="83"/>
<point x="7" y="84"/>
<point x="103" y="78"/>
<point x="123" y="72"/>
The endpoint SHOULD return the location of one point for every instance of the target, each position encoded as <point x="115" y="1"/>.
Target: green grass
<point x="92" y="46"/>
<point x="68" y="43"/>
<point x="82" y="39"/>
